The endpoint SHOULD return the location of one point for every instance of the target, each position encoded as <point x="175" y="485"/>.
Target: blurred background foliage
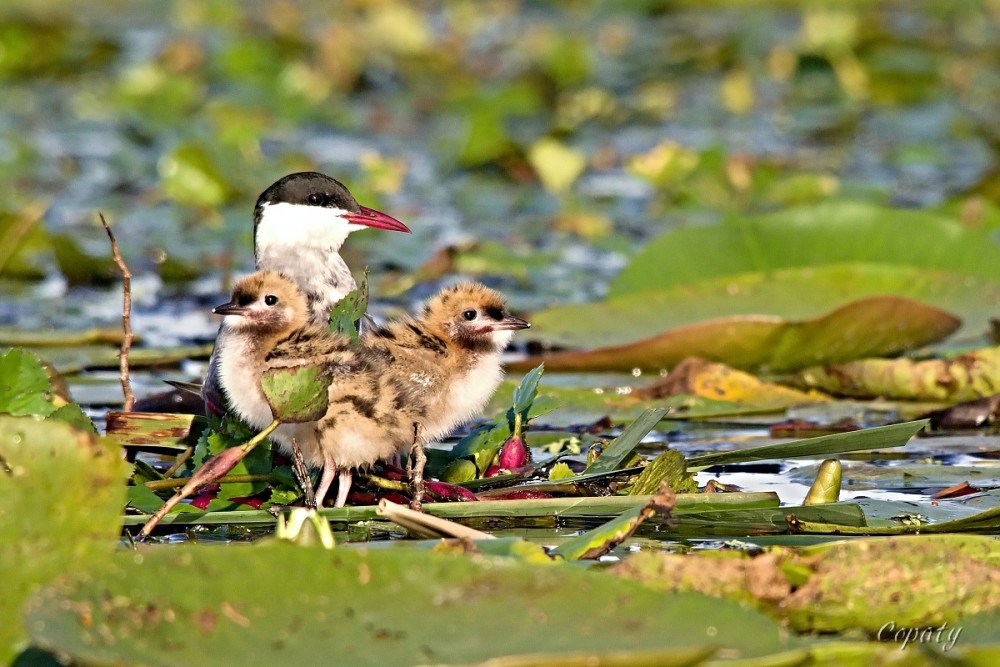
<point x="542" y="143"/>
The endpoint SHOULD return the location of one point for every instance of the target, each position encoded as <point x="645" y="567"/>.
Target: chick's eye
<point x="270" y="300"/>
<point x="315" y="198"/>
<point x="469" y="315"/>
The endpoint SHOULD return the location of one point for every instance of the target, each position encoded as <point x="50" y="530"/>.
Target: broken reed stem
<point x="427" y="526"/>
<point x="129" y="397"/>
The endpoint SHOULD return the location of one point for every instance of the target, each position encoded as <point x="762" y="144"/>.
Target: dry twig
<point x="302" y="475"/>
<point x="126" y="318"/>
<point x="415" y="466"/>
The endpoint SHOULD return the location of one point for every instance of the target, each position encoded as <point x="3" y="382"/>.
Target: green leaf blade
<point x="623" y="445"/>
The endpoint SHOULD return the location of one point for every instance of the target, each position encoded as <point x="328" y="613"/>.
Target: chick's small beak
<point x="511" y="323"/>
<point x="230" y="309"/>
<point x="369" y="217"/>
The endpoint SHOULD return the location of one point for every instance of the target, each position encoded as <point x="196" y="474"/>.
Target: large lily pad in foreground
<point x="194" y="607"/>
<point x="61" y="493"/>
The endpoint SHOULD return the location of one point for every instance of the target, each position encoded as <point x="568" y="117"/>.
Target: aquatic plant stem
<point x="385" y="484"/>
<point x="161" y="484"/>
<point x="178" y="462"/>
<point x="209" y="473"/>
<point x="129" y="397"/>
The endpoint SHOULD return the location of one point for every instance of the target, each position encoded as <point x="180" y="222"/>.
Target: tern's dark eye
<point x="270" y="300"/>
<point x="469" y="315"/>
<point x="316" y="198"/>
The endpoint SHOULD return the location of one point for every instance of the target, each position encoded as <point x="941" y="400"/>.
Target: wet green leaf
<point x="695" y="504"/>
<point x="981" y="522"/>
<point x="669" y="467"/>
<point x="24" y="385"/>
<point x="297" y="394"/>
<point x="214" y="618"/>
<point x="346" y="316"/>
<point x="622" y="446"/>
<point x="61" y="494"/>
<point x="737" y="521"/>
<point x="223" y="435"/>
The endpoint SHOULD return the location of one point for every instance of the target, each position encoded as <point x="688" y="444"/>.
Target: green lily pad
<point x="190" y="175"/>
<point x="876" y="326"/>
<point x="371" y="607"/>
<point x="793" y="293"/>
<point x="79" y="267"/>
<point x="828" y="233"/>
<point x="61" y="493"/>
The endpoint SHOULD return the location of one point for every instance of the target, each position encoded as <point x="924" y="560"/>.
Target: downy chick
<point x="405" y="384"/>
<point x="300" y="223"/>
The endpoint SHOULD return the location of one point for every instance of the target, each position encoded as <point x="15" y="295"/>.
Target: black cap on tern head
<point x="310" y="188"/>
